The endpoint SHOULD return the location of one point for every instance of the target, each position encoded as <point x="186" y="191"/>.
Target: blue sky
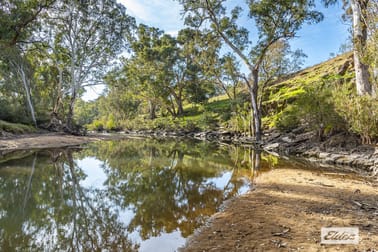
<point x="317" y="41"/>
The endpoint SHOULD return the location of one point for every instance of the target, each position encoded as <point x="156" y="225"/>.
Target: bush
<point x="16" y="128"/>
<point x="14" y="112"/>
<point x="288" y="119"/>
<point x="317" y="108"/>
<point x="314" y="108"/>
<point x="360" y="112"/>
<point x="208" y="120"/>
<point x="96" y="125"/>
<point x="240" y="121"/>
<point x="110" y="123"/>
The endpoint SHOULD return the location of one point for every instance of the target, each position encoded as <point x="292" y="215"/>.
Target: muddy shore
<point x="49" y="140"/>
<point x="286" y="211"/>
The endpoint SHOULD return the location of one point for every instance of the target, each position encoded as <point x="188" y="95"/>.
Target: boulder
<point x="272" y="146"/>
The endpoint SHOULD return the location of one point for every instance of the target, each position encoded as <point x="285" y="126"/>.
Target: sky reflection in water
<point x="125" y="195"/>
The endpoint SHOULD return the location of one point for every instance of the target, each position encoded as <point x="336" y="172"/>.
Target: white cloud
<point x="164" y="14"/>
<point x="136" y="8"/>
<point x="173" y="33"/>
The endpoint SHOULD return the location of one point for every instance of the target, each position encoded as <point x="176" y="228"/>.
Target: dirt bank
<point x="49" y="140"/>
<point x="286" y="211"/>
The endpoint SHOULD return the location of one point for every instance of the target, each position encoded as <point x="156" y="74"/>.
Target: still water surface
<point x="126" y="195"/>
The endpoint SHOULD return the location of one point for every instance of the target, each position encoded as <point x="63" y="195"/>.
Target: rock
<point x="247" y="140"/>
<point x="304" y="137"/>
<point x="287" y="139"/>
<point x="342" y="70"/>
<point x="274" y="135"/>
<point x="272" y="146"/>
<point x="332" y="158"/>
<point x="344" y="160"/>
<point x="361" y="162"/>
<point x="323" y="155"/>
<point x="299" y="130"/>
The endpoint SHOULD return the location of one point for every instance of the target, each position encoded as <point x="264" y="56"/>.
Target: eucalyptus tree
<point x="360" y="34"/>
<point x="372" y="43"/>
<point x="19" y="20"/>
<point x="165" y="70"/>
<point x="358" y="11"/>
<point x="196" y="55"/>
<point x="227" y="75"/>
<point x="89" y="35"/>
<point x="21" y="68"/>
<point x="274" y="21"/>
<point x="147" y="70"/>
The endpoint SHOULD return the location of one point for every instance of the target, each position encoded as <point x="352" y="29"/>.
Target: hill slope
<point x="307" y="96"/>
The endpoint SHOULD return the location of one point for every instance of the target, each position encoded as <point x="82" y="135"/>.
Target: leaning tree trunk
<point x="253" y="91"/>
<point x="26" y="84"/>
<point x="178" y="98"/>
<point x="70" y="122"/>
<point x="359" y="8"/>
<point x="152" y="109"/>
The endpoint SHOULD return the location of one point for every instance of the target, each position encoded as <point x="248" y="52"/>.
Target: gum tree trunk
<point x="359" y="8"/>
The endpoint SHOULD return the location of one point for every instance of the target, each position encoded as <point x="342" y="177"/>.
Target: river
<point x="124" y="195"/>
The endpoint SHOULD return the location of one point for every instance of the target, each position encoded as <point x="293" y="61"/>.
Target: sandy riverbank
<point x="286" y="211"/>
<point x="49" y="140"/>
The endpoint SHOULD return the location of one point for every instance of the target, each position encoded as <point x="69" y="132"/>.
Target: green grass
<point x="217" y="112"/>
<point x="16" y="128"/>
<point x="287" y="97"/>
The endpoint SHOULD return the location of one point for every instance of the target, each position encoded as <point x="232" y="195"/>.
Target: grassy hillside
<point x="15" y="128"/>
<point x="302" y="98"/>
<point x="339" y="68"/>
<point x="309" y="91"/>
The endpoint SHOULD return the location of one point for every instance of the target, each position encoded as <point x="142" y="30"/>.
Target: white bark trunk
<point x="26" y="84"/>
<point x="363" y="84"/>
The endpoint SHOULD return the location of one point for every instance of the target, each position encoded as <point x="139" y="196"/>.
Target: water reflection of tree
<point x="48" y="209"/>
<point x="168" y="186"/>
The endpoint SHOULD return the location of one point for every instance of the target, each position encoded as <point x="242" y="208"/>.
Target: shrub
<point x="110" y="123"/>
<point x="317" y="108"/>
<point x="16" y="128"/>
<point x="240" y="121"/>
<point x="288" y="119"/>
<point x="360" y="112"/>
<point x="96" y="125"/>
<point x="208" y="120"/>
<point x="314" y="108"/>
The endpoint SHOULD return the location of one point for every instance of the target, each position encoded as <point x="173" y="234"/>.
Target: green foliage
<point x="12" y="112"/>
<point x="110" y="123"/>
<point x="240" y="120"/>
<point x="305" y="98"/>
<point x="18" y="19"/>
<point x="360" y="112"/>
<point x="313" y="108"/>
<point x="105" y="123"/>
<point x="96" y="125"/>
<point x="191" y="124"/>
<point x="286" y="120"/>
<point x="209" y="120"/>
<point x="85" y="112"/>
<point x="16" y="128"/>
